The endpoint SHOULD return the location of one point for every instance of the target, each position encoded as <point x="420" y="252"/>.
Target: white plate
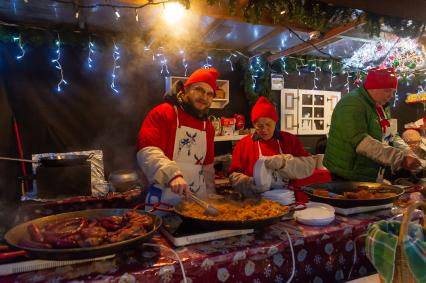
<point x="262" y="176"/>
<point x="315" y="222"/>
<point x="283" y="197"/>
<point x="315" y="214"/>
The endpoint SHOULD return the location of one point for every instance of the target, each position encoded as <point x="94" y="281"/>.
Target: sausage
<point x="63" y="224"/>
<point x="33" y="244"/>
<point x="93" y="223"/>
<point x="109" y="225"/>
<point x="64" y="229"/>
<point x="65" y="243"/>
<point x="35" y="233"/>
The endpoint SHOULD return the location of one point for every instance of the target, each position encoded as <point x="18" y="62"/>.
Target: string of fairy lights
<point x="256" y="64"/>
<point x="403" y="54"/>
<point x="58" y="65"/>
<point x="91" y="47"/>
<point x="116" y="58"/>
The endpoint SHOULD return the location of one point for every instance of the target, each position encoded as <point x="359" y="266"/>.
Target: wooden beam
<point x="324" y="40"/>
<point x="354" y="38"/>
<point x="268" y="37"/>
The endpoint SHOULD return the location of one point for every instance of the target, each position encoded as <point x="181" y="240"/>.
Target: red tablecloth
<point x="321" y="254"/>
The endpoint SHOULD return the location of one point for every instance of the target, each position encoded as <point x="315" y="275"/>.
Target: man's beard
<point x="196" y="113"/>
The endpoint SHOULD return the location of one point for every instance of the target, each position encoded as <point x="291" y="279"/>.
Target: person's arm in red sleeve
<point x="155" y="130"/>
<point x="241" y="182"/>
<point x="152" y="143"/>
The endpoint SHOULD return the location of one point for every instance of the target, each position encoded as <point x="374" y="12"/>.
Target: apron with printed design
<point x="189" y="153"/>
<point x="278" y="180"/>
<point x="389" y="130"/>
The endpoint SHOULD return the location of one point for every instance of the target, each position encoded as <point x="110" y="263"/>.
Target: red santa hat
<point x="381" y="79"/>
<point x="208" y="76"/>
<point x="263" y="108"/>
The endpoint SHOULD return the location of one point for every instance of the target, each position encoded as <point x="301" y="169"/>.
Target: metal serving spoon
<point x="208" y="208"/>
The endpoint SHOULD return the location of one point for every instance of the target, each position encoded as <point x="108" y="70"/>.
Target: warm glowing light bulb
<point x="173" y="12"/>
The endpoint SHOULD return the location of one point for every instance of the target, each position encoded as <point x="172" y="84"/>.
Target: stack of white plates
<point x="284" y="197"/>
<point x="316" y="214"/>
<point x="262" y="176"/>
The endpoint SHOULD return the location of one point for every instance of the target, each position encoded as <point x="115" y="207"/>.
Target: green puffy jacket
<point x="354" y="118"/>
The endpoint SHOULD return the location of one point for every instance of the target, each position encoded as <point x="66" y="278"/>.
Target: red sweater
<point x="246" y="152"/>
<point x="159" y="130"/>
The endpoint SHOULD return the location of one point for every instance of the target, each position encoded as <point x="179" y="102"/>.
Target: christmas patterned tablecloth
<point x="321" y="254"/>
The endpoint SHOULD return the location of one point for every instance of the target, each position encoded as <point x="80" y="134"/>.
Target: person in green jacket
<point x="362" y="141"/>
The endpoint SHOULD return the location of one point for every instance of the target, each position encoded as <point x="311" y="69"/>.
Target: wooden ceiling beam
<point x="322" y="41"/>
<point x="268" y="37"/>
<point x="361" y="39"/>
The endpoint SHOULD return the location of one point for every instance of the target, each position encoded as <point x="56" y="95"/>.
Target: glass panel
<point x="306" y="124"/>
<point x="319" y="100"/>
<point x="307" y="99"/>
<point x="319" y="124"/>
<point x="306" y="112"/>
<point x="319" y="112"/>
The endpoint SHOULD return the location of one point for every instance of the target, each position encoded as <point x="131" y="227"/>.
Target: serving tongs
<point x="208" y="208"/>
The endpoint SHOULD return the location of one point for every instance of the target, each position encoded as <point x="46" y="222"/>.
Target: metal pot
<point x="123" y="180"/>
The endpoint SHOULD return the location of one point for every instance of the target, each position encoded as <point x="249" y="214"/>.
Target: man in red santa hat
<point x="175" y="143"/>
<point x="283" y="153"/>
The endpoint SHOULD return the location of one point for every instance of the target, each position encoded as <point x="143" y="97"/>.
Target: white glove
<point x="380" y="153"/>
<point x="293" y="167"/>
<point x="244" y="185"/>
<point x="299" y="167"/>
<point x="275" y="162"/>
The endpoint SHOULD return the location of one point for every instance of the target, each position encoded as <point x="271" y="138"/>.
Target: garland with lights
<point x="313" y="14"/>
<point x="257" y="70"/>
<point x="257" y="78"/>
<point x="321" y="16"/>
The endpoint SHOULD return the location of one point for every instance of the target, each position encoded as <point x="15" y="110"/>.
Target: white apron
<point x="278" y="180"/>
<point x="388" y="134"/>
<point x="189" y="152"/>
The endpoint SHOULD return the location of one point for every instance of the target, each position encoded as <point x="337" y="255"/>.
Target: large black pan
<point x="341" y="187"/>
<point x="64" y="160"/>
<point x="57" y="160"/>
<point x="16" y="234"/>
<point x="209" y="224"/>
